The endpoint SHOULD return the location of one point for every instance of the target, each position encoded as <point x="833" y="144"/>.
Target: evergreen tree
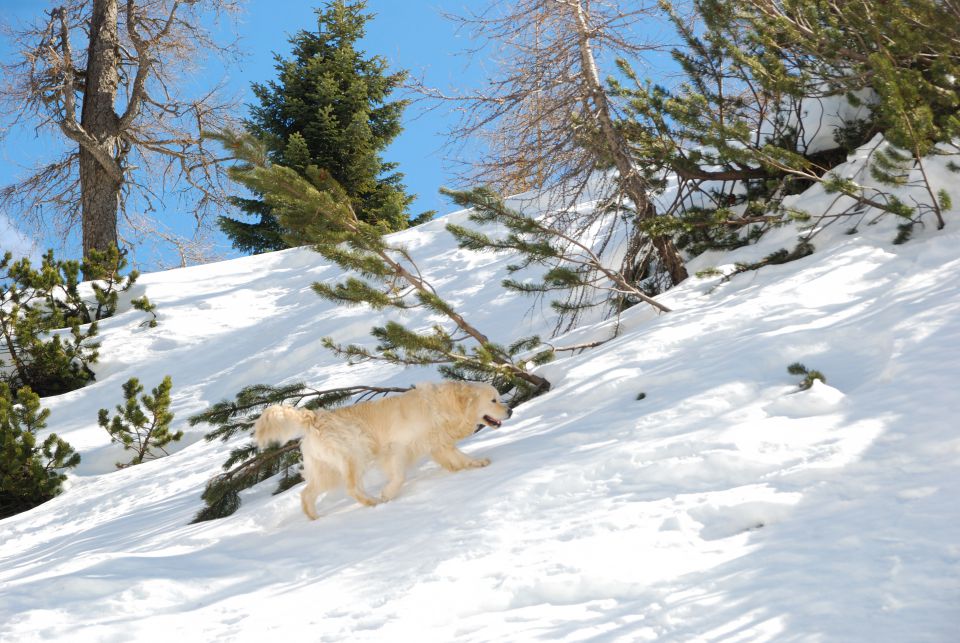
<point x="134" y="428"/>
<point x="30" y="473"/>
<point x="48" y="322"/>
<point x="551" y="123"/>
<point x="329" y="107"/>
<point x="730" y="138"/>
<point x="809" y="376"/>
<point x="733" y="134"/>
<point x="906" y="54"/>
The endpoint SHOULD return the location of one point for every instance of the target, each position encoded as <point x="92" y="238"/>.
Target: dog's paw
<point x="387" y="496"/>
<point x="478" y="464"/>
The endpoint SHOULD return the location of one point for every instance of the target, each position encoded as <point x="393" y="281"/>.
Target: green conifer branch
<point x="539" y="243"/>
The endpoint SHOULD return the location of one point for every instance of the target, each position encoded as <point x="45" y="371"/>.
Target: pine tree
<point x="30" y="473"/>
<point x="136" y="430"/>
<point x="732" y="132"/>
<point x="329" y="107"/>
<point x="809" y="376"/>
<point x="730" y="138"/>
<point x="551" y="120"/>
<point x="34" y="304"/>
<point x="906" y="54"/>
<point x="48" y="322"/>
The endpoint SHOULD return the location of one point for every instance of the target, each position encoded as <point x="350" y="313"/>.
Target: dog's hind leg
<point x="453" y="459"/>
<point x="308" y="499"/>
<point x="352" y="478"/>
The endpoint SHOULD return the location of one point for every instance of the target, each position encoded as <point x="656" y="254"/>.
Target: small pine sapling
<point x="134" y="428"/>
<point x="143" y="304"/>
<point x="808" y="376"/>
<point x="45" y="329"/>
<point x="102" y="270"/>
<point x="30" y="473"/>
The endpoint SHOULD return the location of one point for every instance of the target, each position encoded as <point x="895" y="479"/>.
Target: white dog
<point x="340" y="444"/>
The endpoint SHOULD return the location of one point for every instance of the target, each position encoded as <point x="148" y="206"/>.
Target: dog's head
<point x="490" y="408"/>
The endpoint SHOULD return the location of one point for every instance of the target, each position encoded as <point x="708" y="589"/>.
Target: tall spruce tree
<point x="329" y="107"/>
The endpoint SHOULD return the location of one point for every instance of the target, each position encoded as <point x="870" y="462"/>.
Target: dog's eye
<point x="494" y="401"/>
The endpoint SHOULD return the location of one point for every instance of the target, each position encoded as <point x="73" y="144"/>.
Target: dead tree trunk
<point x="118" y="94"/>
<point x="633" y="184"/>
<point x="101" y="182"/>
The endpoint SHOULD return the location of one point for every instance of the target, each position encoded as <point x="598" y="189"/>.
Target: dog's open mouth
<point x="492" y="421"/>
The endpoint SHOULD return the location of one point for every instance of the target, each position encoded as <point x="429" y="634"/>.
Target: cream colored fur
<point x="393" y="432"/>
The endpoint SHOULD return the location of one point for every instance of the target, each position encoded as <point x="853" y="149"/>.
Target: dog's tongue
<point x="492" y="421"/>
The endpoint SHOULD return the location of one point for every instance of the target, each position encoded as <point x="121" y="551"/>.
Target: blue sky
<point x="410" y="34"/>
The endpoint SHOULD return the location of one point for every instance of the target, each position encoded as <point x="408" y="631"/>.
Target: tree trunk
<point x="633" y="184"/>
<point x="100" y="190"/>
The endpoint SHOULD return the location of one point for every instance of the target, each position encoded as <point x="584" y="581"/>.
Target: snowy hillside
<point x="724" y="505"/>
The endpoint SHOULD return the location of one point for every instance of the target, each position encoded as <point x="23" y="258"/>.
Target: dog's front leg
<point x="453" y="459"/>
<point x="394" y="464"/>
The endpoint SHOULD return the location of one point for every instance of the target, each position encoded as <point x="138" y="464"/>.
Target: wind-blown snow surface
<point x="725" y="505"/>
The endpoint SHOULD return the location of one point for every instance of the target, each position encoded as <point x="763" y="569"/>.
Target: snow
<point x="726" y="504"/>
<point x="821" y="118"/>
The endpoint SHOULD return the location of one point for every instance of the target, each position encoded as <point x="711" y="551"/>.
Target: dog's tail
<point x="279" y="424"/>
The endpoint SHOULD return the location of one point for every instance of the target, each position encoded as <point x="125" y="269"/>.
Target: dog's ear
<point x="467" y="396"/>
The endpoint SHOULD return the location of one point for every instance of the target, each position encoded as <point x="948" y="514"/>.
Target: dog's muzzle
<point x="489" y="420"/>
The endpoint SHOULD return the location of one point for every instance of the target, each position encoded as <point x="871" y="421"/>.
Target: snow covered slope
<point x="724" y="505"/>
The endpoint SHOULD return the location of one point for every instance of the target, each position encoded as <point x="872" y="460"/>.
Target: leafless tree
<point x="550" y="120"/>
<point x="108" y="78"/>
